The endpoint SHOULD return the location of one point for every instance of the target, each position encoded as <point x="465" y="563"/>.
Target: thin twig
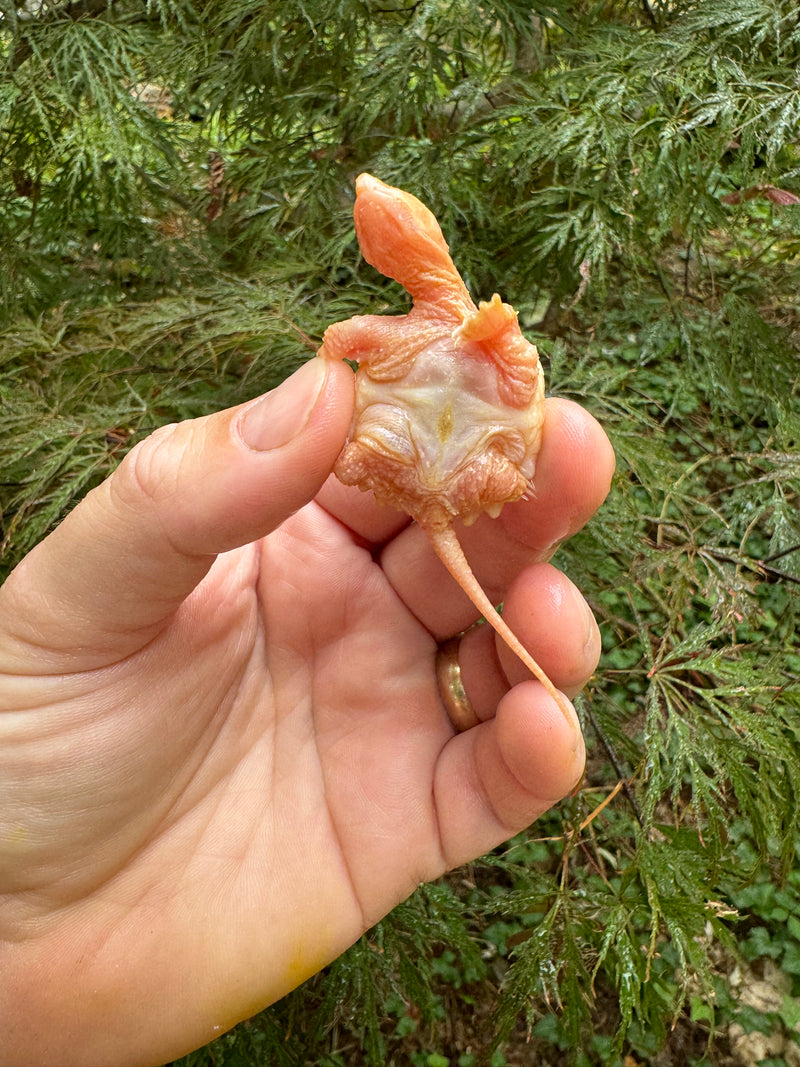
<point x="612" y="756"/>
<point x="760" y="566"/>
<point x="779" y="555"/>
<point x="593" y="814"/>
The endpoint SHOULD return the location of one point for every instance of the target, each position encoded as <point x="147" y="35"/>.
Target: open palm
<point x="223" y="755"/>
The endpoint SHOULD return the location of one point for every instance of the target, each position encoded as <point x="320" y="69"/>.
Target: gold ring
<point x="451" y="687"/>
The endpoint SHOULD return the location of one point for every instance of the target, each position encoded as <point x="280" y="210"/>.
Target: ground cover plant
<point x="176" y="182"/>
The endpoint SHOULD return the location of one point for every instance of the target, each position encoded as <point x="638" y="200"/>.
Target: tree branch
<point x="73" y="11"/>
<point x="650" y="13"/>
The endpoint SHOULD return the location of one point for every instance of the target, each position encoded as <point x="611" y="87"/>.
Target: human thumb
<point x="104" y="582"/>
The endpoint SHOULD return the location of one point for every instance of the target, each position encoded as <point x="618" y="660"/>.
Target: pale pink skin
<point x="449" y="398"/>
<point x="223" y="751"/>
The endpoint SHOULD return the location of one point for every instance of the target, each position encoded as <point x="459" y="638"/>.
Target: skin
<point x="449" y="397"/>
<point x="223" y="755"/>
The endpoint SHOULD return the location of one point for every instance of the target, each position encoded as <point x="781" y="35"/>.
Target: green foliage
<point x="175" y="217"/>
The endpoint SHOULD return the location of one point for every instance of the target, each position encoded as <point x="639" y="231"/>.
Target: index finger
<point x="367" y="520"/>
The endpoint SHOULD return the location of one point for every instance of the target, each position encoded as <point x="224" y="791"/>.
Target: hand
<point x="223" y="755"/>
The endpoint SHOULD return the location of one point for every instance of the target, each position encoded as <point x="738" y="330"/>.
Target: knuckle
<point x="149" y="473"/>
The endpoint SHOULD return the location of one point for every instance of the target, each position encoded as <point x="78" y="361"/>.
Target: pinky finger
<point x="494" y="780"/>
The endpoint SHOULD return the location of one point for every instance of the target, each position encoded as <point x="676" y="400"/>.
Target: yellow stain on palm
<point x="16" y="840"/>
<point x="303" y="964"/>
<point x="305" y="961"/>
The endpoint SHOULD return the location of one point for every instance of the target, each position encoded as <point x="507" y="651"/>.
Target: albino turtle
<point x="449" y="399"/>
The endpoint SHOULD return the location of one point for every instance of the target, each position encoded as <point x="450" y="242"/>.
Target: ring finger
<point x="551" y="618"/>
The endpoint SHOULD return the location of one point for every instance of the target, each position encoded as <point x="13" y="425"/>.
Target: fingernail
<point x="554" y="547"/>
<point x="577" y="787"/>
<point x="280" y="415"/>
<point x="589" y="623"/>
<point x="590" y="636"/>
